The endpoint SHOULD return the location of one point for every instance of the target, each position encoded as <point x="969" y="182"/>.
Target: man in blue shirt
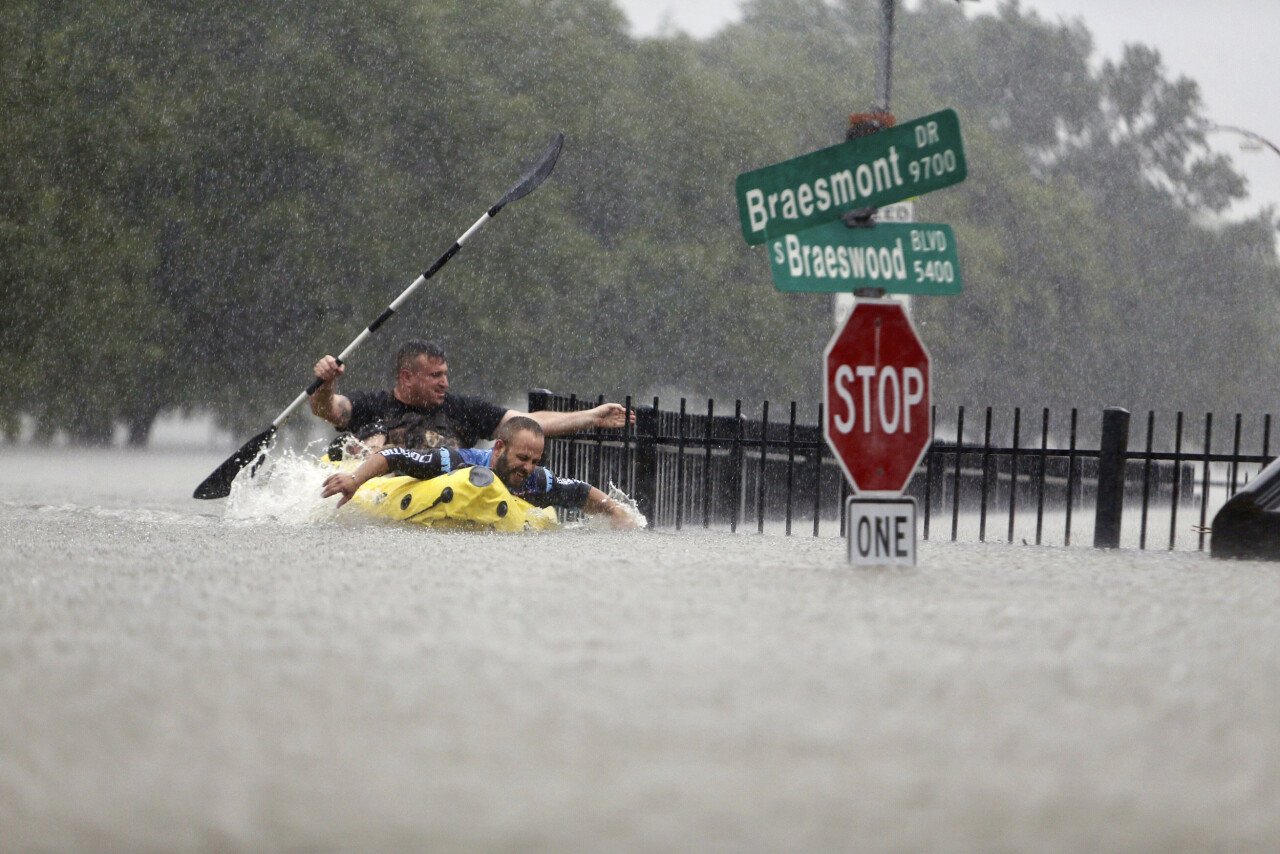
<point x="515" y="458"/>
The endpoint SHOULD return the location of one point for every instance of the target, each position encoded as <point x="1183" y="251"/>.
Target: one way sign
<point x="881" y="532"/>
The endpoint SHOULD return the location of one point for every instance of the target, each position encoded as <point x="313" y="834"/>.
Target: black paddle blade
<point x="537" y="173"/>
<point x="218" y="484"/>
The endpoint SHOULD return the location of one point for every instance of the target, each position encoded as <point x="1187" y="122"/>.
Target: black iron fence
<point x="1003" y="476"/>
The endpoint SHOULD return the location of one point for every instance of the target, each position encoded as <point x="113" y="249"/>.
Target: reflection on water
<point x="177" y="678"/>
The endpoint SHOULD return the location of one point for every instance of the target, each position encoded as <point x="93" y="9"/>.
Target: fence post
<point x="542" y="399"/>
<point x="539" y="399"/>
<point x="1111" y="465"/>
<point x="647" y="463"/>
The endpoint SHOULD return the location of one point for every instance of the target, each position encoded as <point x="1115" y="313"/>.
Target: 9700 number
<point x="932" y="166"/>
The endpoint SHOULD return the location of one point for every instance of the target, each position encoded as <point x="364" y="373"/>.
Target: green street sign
<point x="895" y="164"/>
<point x="901" y="258"/>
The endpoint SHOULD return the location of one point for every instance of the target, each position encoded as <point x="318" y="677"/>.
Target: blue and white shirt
<point x="542" y="489"/>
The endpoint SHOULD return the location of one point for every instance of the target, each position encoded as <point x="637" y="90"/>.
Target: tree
<point x="196" y="201"/>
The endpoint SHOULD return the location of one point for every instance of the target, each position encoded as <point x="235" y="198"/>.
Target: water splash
<point x="285" y="488"/>
<point x="603" y="523"/>
<point x="629" y="504"/>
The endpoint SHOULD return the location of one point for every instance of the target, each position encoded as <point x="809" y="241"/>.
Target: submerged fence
<point x="1001" y="477"/>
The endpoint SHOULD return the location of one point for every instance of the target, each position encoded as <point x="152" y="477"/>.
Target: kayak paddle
<point x="218" y="484"/>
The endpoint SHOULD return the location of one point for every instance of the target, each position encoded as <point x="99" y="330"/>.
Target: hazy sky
<point x="1228" y="46"/>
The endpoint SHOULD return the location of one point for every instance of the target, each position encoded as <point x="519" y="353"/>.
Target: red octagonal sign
<point x="876" y="397"/>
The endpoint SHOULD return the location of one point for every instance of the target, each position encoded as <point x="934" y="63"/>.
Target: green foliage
<point x="1095" y="273"/>
<point x="197" y="200"/>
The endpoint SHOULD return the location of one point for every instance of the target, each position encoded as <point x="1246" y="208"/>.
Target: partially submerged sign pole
<point x="877" y="422"/>
<point x="816" y="213"/>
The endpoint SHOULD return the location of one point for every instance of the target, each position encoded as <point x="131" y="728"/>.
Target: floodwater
<point x="179" y="675"/>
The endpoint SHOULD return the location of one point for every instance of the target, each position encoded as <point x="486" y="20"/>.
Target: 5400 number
<point x="934" y="271"/>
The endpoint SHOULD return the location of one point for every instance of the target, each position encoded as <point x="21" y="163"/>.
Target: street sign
<point x="902" y="258"/>
<point x="881" y="532"/>
<point x="842" y="303"/>
<point x="876" y="398"/>
<point x="872" y="171"/>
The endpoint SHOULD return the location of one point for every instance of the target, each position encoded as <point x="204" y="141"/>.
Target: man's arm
<point x="423" y="465"/>
<point x="606" y="416"/>
<point x="600" y="504"/>
<point x="325" y="403"/>
<point x="543" y="489"/>
<point x="348" y="483"/>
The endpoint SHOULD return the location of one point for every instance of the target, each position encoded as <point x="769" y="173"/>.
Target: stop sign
<point x="876" y="397"/>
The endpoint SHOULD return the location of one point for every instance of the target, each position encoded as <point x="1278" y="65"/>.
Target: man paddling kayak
<point x="422" y="388"/>
<point x="516" y="452"/>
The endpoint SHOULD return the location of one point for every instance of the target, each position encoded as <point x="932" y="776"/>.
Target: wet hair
<point x="411" y="350"/>
<point x="515" y="424"/>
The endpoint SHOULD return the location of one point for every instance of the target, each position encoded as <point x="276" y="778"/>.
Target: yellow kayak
<point x="470" y="499"/>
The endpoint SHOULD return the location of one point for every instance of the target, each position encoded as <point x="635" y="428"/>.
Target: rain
<point x="199" y="202"/>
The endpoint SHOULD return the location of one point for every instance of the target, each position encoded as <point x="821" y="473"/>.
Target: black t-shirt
<point x="459" y="422"/>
